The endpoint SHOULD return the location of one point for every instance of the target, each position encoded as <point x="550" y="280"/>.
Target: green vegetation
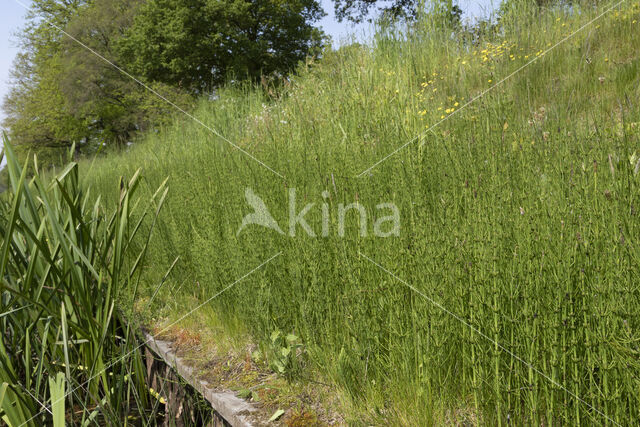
<point x="204" y="41"/>
<point x="512" y="150"/>
<point x="360" y="10"/>
<point x="62" y="97"/>
<point x="67" y="353"/>
<point x="519" y="215"/>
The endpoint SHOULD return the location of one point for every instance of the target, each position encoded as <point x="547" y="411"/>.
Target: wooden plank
<point x="234" y="410"/>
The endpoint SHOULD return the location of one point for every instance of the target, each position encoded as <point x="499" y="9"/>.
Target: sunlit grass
<point x="519" y="215"/>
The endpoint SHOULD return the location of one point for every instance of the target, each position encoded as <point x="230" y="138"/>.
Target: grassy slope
<point x="519" y="214"/>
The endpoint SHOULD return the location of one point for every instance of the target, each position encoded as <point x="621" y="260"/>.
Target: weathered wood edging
<point x="232" y="409"/>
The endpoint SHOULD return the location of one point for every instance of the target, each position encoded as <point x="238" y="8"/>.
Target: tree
<point x="360" y="10"/>
<point x="62" y="94"/>
<point x="115" y="105"/>
<point x="196" y="44"/>
<point x="36" y="113"/>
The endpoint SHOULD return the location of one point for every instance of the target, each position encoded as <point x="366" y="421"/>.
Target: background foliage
<point x="63" y="96"/>
<point x="519" y="215"/>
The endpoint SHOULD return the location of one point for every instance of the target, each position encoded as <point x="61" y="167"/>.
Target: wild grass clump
<point x="519" y="214"/>
<point x="68" y="355"/>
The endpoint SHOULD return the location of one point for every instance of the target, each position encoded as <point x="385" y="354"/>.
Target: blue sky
<point x="12" y="18"/>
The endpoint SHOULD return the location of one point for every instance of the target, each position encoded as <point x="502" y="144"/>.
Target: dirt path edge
<point x="235" y="411"/>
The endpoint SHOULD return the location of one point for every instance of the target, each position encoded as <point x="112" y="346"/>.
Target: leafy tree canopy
<point x="195" y="44"/>
<point x="63" y="94"/>
<point x="360" y="10"/>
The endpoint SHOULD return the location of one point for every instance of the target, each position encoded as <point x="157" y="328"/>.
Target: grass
<point x="231" y="361"/>
<point x="519" y="214"/>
